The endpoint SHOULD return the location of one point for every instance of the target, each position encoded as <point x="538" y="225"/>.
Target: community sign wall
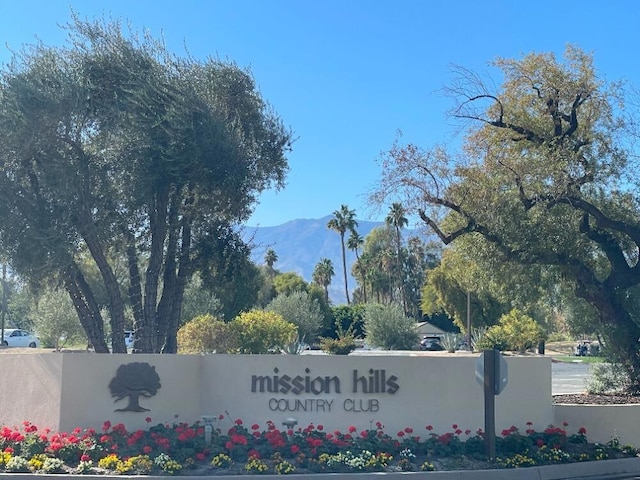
<point x="69" y="390"/>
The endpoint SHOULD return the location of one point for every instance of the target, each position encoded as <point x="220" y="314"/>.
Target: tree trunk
<point x="180" y="282"/>
<point x="168" y="289"/>
<point x="399" y="273"/>
<point x="116" y="305"/>
<point x="344" y="268"/>
<point x="364" y="281"/>
<point x="158" y="228"/>
<point x="86" y="308"/>
<point x="142" y="332"/>
<point x="166" y="303"/>
<point x="621" y="332"/>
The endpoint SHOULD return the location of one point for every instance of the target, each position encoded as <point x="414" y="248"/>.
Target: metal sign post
<point x="492" y="373"/>
<point x="490" y="402"/>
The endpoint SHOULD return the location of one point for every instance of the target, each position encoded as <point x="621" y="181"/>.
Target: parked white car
<point x="14" y="337"/>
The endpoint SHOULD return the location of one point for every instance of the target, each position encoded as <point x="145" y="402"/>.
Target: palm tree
<point x="270" y="257"/>
<point x="343" y="220"/>
<point x="322" y="275"/>
<point x="397" y="219"/>
<point x="354" y="242"/>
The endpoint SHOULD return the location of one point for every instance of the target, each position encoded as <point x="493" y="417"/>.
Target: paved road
<point x="568" y="377"/>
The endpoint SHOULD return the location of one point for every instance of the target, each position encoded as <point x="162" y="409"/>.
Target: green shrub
<point x="206" y="334"/>
<point x="515" y="331"/>
<point x="260" y="331"/>
<point x="296" y="347"/>
<point x="387" y="327"/>
<point x="494" y="338"/>
<point x="477" y="334"/>
<point x="521" y="331"/>
<point x="56" y="321"/>
<point x="450" y="341"/>
<point x="344" y="344"/>
<point x="338" y="346"/>
<point x="607" y="378"/>
<point x="302" y="310"/>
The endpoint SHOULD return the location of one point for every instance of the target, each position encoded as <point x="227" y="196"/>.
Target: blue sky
<point x="347" y="75"/>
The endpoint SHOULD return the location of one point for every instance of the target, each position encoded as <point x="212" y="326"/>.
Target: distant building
<point x="425" y="328"/>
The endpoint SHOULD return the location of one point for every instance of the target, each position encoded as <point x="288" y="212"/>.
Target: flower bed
<point x="235" y="448"/>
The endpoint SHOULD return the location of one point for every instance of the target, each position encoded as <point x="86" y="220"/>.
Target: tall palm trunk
<point x="344" y="268"/>
<point x="403" y="296"/>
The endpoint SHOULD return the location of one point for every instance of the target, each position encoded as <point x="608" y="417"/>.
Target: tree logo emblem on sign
<point x="134" y="380"/>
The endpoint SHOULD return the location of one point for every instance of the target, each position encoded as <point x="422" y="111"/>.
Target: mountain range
<point x="300" y="244"/>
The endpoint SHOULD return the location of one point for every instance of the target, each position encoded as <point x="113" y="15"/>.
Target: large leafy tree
<point x="114" y="147"/>
<point x="547" y="180"/>
<point x="343" y="221"/>
<point x="55" y="321"/>
<point x="377" y="260"/>
<point x="289" y="282"/>
<point x="447" y="286"/>
<point x="419" y="257"/>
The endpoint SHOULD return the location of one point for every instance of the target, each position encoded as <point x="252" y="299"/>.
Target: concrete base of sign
<point x="603" y="422"/>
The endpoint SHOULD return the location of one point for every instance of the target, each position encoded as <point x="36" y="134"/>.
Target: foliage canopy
<point x="547" y="179"/>
<point x="114" y="147"/>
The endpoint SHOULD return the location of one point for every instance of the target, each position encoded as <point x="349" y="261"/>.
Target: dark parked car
<point x="432" y="344"/>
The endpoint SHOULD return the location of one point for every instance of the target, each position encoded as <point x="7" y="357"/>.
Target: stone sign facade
<point x="64" y="391"/>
